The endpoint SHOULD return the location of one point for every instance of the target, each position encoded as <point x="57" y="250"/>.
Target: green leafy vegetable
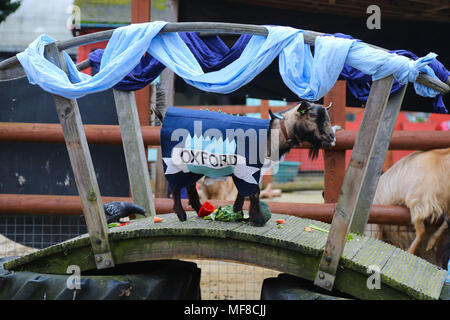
<point x="227" y="214"/>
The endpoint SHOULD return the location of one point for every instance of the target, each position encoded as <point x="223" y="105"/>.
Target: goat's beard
<point x="313" y="152"/>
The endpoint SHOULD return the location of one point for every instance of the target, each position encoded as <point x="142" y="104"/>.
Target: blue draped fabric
<point x="359" y="83"/>
<point x="211" y="53"/>
<point x="309" y="77"/>
<point x="142" y="75"/>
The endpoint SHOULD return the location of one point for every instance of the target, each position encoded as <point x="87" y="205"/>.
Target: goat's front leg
<point x="194" y="199"/>
<point x="255" y="213"/>
<point x="238" y="203"/>
<point x="419" y="225"/>
<point x="177" y="205"/>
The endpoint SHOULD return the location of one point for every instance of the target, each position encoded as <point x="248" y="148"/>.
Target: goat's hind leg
<point x="194" y="199"/>
<point x="419" y="225"/>
<point x="255" y="213"/>
<point x="238" y="203"/>
<point x="435" y="237"/>
<point x="177" y="205"/>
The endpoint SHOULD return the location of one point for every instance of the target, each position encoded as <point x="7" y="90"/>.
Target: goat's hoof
<point x="257" y="222"/>
<point x="182" y="216"/>
<point x="237" y="209"/>
<point x="197" y="209"/>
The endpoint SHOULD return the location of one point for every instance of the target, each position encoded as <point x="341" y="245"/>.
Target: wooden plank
<point x="353" y="181"/>
<point x="312" y="242"/>
<point x="413" y="275"/>
<point x="353" y="246"/>
<point x="376" y="161"/>
<point x="83" y="169"/>
<point x="334" y="160"/>
<point x="373" y="253"/>
<point x="134" y="150"/>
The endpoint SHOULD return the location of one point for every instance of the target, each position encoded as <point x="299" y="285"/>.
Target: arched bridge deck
<point x="290" y="249"/>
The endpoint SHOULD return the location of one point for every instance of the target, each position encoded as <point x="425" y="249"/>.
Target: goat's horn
<point x="328" y="108"/>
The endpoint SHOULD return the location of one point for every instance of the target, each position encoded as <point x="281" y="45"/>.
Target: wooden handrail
<point x="15" y="70"/>
<point x="110" y="134"/>
<point x="71" y="205"/>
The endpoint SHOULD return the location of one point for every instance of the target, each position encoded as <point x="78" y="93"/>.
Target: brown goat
<point x="421" y="182"/>
<point x="217" y="189"/>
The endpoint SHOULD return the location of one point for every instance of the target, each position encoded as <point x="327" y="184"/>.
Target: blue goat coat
<point x="198" y="143"/>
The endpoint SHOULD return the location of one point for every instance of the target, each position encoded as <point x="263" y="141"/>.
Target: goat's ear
<point x="329" y="107"/>
<point x="303" y="107"/>
<point x="274" y="116"/>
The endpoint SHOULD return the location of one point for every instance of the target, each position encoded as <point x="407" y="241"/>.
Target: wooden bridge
<point x="328" y="258"/>
<point x="290" y="249"/>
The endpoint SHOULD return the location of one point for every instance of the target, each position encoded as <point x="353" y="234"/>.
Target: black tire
<point x="151" y="280"/>
<point x="288" y="287"/>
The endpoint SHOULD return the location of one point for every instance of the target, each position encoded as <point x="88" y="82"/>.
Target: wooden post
<point x="83" y="169"/>
<point x="334" y="161"/>
<point x="140" y="12"/>
<point x="374" y="169"/>
<point x="362" y="165"/>
<point x="264" y="111"/>
<point x="161" y="185"/>
<point x="134" y="150"/>
<point x="168" y="13"/>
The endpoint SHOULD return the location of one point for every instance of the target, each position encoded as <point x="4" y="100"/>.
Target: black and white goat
<point x="306" y="122"/>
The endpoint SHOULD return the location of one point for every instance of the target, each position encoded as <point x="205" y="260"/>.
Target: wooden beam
<point x="355" y="176"/>
<point x="29" y="204"/>
<point x="140" y="11"/>
<point x="110" y="134"/>
<point x="134" y="150"/>
<point x="334" y="160"/>
<point x="376" y="161"/>
<point x="83" y="169"/>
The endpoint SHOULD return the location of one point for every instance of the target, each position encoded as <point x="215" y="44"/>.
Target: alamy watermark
<point x="232" y="153"/>
<point x="374" y="280"/>
<point x="73" y="282"/>
<point x="374" y="20"/>
<point x="73" y="22"/>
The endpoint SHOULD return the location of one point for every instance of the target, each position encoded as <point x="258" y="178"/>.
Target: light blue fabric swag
<point x="310" y="77"/>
